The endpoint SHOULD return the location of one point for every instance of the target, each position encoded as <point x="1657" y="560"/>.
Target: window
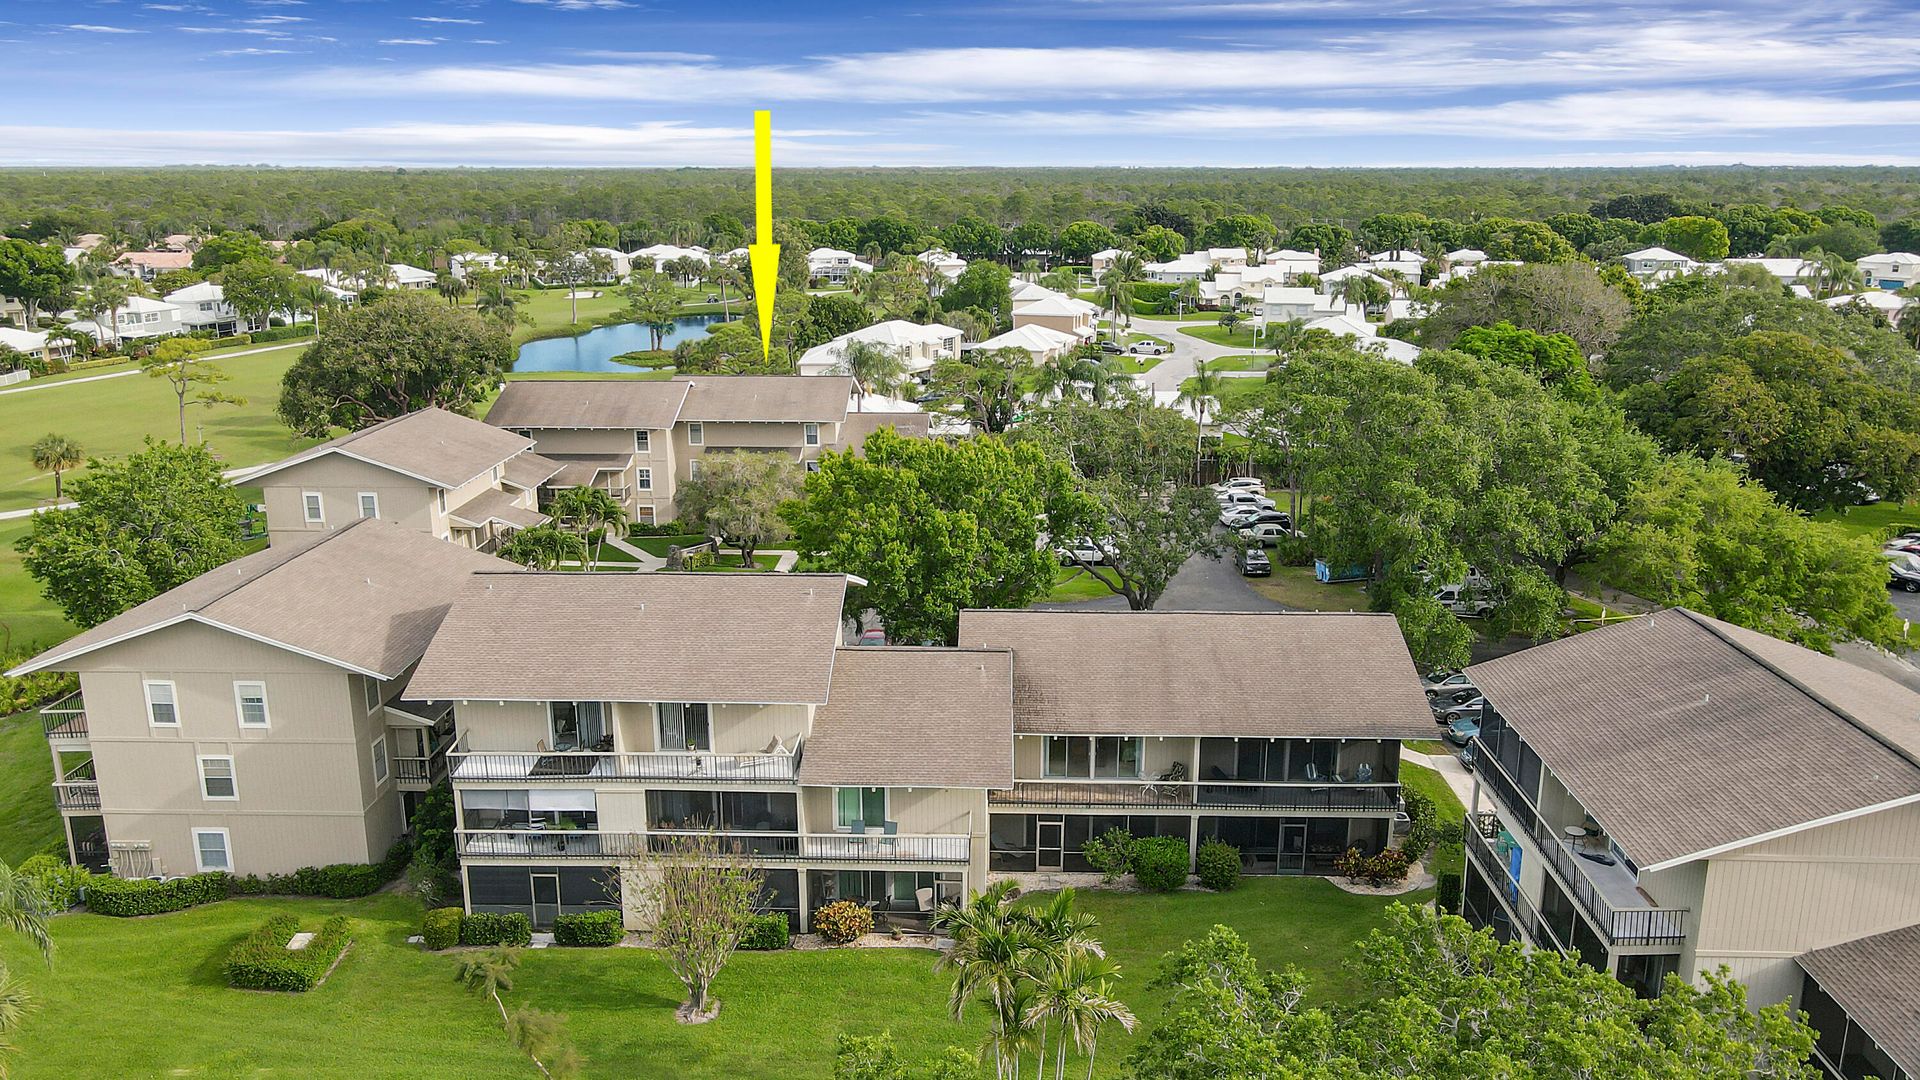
<point x="1104" y="756"/>
<point x="440" y="496"/>
<point x="316" y="512"/>
<point x="1067" y="755"/>
<point x="161" y="708"/>
<point x="250" y="701"/>
<point x="642" y="442"/>
<point x="217" y="779"/>
<point x="371" y="688"/>
<point x="578" y="725"/>
<point x="693" y="467"/>
<point x="369" y="505"/>
<point x="813" y="466"/>
<point x="211" y="850"/>
<point x="379" y="748"/>
<point x="643" y="479"/>
<point x="685" y="726"/>
<point x="696" y="434"/>
<point x="1117" y="756"/>
<point x="864" y="807"/>
<point x="810" y="434"/>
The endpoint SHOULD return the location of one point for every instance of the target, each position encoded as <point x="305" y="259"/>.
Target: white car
<point x="1267" y="533"/>
<point x="1245" y="498"/>
<point x="1239" y="517"/>
<point x="1082" y="550"/>
<point x="1147" y="348"/>
<point x="1241" y="483"/>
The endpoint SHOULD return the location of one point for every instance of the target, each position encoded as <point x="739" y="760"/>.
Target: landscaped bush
<point x="127" y="897"/>
<point x="1386" y="868"/>
<point x="658" y="528"/>
<point x="491" y="928"/>
<point x="283" y="333"/>
<point x="1446" y="893"/>
<point x="27" y="691"/>
<point x="1160" y="862"/>
<point x="766" y="932"/>
<point x="262" y="960"/>
<point x="842" y="921"/>
<point x="441" y="928"/>
<point x="1111" y="853"/>
<point x="596" y="929"/>
<point x="1422" y="823"/>
<point x="1218" y="863"/>
<point x="63" y="885"/>
<point x="1152" y="292"/>
<point x="338" y="881"/>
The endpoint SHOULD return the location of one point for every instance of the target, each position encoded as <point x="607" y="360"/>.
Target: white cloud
<point x="275" y="20"/>
<point x="252" y="31"/>
<point x="409" y="41"/>
<point x="94" y="28"/>
<point x="578" y="5"/>
<point x="254" y="52"/>
<point x="444" y="19"/>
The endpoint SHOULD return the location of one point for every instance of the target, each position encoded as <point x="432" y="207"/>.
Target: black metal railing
<point x="77" y="795"/>
<point x="1214" y="794"/>
<point x="816" y="847"/>
<point x="1526" y="917"/>
<point x="572" y="765"/>
<point x="65" y="718"/>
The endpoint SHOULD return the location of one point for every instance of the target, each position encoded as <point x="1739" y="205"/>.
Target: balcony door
<point x="685" y="726"/>
<point x="546" y="900"/>
<point x="578" y="725"/>
<point x="1052" y="842"/>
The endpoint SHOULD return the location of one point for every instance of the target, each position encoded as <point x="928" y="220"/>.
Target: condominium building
<point x="1675" y="794"/>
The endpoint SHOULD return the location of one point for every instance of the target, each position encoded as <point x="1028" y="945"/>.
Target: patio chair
<point x="889" y="830"/>
<point x="1363" y="775"/>
<point x="1171" y="779"/>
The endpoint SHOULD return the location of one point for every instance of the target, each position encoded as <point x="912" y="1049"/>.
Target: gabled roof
<point x="158" y="260"/>
<point x="1685" y="736"/>
<point x="616" y="404"/>
<point x="1210" y="673"/>
<point x="496" y="505"/>
<point x="1031" y="337"/>
<point x="432" y="445"/>
<point x="199" y="292"/>
<point x="766" y="398"/>
<point x="22" y="340"/>
<point x="722" y="638"/>
<point x="1047" y="306"/>
<point x="915" y="717"/>
<point x="366" y="597"/>
<point x="1659" y="254"/>
<point x="1877" y="981"/>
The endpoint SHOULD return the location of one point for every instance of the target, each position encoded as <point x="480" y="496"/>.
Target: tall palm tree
<point x="1116" y="291"/>
<point x="447" y="284"/>
<point x="1129" y="265"/>
<point x="586" y="510"/>
<point x="1201" y="393"/>
<point x="1285" y="338"/>
<point x="495" y="300"/>
<point x="988" y="959"/>
<point x="312" y="294"/>
<point x="876" y="369"/>
<point x="56" y="454"/>
<point x="23" y="910"/>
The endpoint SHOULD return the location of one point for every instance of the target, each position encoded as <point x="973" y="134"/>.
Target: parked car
<point x="1468" y="755"/>
<point x="1266" y="533"/>
<point x="1272" y="517"/>
<point x="1083" y="550"/>
<point x="1253" y="562"/>
<point x="1245" y="498"/>
<point x="1908" y="545"/>
<point x="1465" y="602"/>
<point x="1239" y="517"/>
<point x="1903" y="570"/>
<point x="874" y="636"/>
<point x="1462" y="731"/>
<point x="1471" y="709"/>
<point x="1241" y="483"/>
<point x="1112" y="347"/>
<point x="1449" y="688"/>
<point x="1148" y="348"/>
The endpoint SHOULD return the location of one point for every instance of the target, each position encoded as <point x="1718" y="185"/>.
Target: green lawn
<point x="26" y="617"/>
<point x="1429" y="747"/>
<point x="28" y="822"/>
<point x="1449" y="857"/>
<point x="393" y="1010"/>
<point x="1133" y="365"/>
<point x="1875" y="522"/>
<point x="1072" y="583"/>
<point x="1295" y="587"/>
<point x="1241" y="337"/>
<point x="1250" y="362"/>
<point x="657" y="545"/>
<point x="1230" y="390"/>
<point x="729" y="562"/>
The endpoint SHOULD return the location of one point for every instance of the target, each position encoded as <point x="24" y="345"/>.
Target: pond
<point x="595" y="349"/>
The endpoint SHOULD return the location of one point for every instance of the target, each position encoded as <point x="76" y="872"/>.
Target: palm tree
<point x="312" y="294"/>
<point x="23" y="909"/>
<point x="107" y="297"/>
<point x="1128" y="265"/>
<point x="587" y="510"/>
<point x="56" y="454"/>
<point x="1285" y="338"/>
<point x="1185" y="295"/>
<point x="876" y="369"/>
<point x="1117" y="292"/>
<point x="1828" y="274"/>
<point x="449" y="286"/>
<point x="1230" y="319"/>
<point x="724" y="274"/>
<point x="1201" y="393"/>
<point x="495" y="300"/>
<point x="988" y="959"/>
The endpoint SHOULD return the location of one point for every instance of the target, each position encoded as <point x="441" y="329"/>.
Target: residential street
<point x="1178" y="366"/>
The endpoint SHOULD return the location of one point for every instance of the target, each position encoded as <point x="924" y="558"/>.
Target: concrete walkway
<point x="136" y="370"/>
<point x="646" y="560"/>
<point x="1449" y="768"/>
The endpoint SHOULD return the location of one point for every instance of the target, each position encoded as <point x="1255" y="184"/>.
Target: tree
<point x="695" y="896"/>
<point x="591" y="513"/>
<point x="1554" y="359"/>
<point x="984" y="285"/>
<point x="1333" y="242"/>
<point x="390" y="358"/>
<point x="653" y="300"/>
<point x="139" y="526"/>
<point x="1201" y="395"/>
<point x="229" y="248"/>
<point x="1702" y="239"/>
<point x="1528" y="241"/>
<point x="1081" y="239"/>
<point x="738" y="496"/>
<point x="981" y="388"/>
<point x="23" y="909"/>
<point x="1250" y="231"/>
<point x="837" y="315"/>
<point x="1566" y="298"/>
<point x="105" y="298"/>
<point x="1116" y="289"/>
<point x="934" y="527"/>
<point x="1157" y="243"/>
<point x="876" y="368"/>
<point x="37" y="275"/>
<point x="192" y="381"/>
<point x="890" y="233"/>
<point x="1901" y="235"/>
<point x="56" y="454"/>
<point x="257" y="288"/>
<point x="312" y="294"/>
<point x="974" y="239"/>
<point x="450" y="285"/>
<point x="544" y="547"/>
<point x="1696" y="534"/>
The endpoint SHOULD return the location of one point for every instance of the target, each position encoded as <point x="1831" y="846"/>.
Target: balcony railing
<point x="77" y="795"/>
<point x="577" y="766"/>
<point x="1212" y="794"/>
<point x="1537" y="930"/>
<point x="1618" y="925"/>
<point x="811" y="847"/>
<point x="65" y="719"/>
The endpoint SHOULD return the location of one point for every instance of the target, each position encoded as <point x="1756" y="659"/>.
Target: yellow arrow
<point x="764" y="254"/>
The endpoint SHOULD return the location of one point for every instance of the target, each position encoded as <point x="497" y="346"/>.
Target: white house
<point x="1886" y="303"/>
<point x="949" y="264"/>
<point x="1366" y="335"/>
<point x="1292" y="263"/>
<point x="463" y="265"/>
<point x="139" y="317"/>
<point x="1102" y="261"/>
<point x="834" y="265"/>
<point x="1292" y="303"/>
<point x="1245" y="285"/>
<point x="659" y="255"/>
<point x="1197" y="264"/>
<point x="920" y="346"/>
<point x="1408" y="264"/>
<point x="1657" y="262"/>
<point x="1787" y="271"/>
<point x="204" y="307"/>
<point x="36" y="345"/>
<point x="410" y="277"/>
<point x="1041" y="343"/>
<point x="1330" y="281"/>
<point x="1465" y="257"/>
<point x="1891" y="271"/>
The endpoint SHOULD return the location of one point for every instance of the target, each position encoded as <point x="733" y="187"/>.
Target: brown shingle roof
<point x="581" y="470"/>
<point x="723" y="638"/>
<point x="441" y="448"/>
<point x="1877" y="980"/>
<point x="629" y="404"/>
<point x="915" y="718"/>
<point x="1683" y="734"/>
<point x="367" y="596"/>
<point x="858" y="425"/>
<point x="1273" y="675"/>
<point x="530" y="470"/>
<point x="496" y="505"/>
<point x="767" y="398"/>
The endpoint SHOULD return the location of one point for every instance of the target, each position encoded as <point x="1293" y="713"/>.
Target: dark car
<point x="1469" y="755"/>
<point x="1253" y="562"/>
<point x="1903" y="570"/>
<point x="1112" y="347"/>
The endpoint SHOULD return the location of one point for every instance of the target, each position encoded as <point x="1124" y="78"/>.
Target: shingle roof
<point x="631" y="404"/>
<point x="367" y="597"/>
<point x="530" y="470"/>
<point x="1683" y="734"/>
<point x="723" y="638"/>
<point x="581" y="470"/>
<point x="496" y="505"/>
<point x="767" y="398"/>
<point x="915" y="717"/>
<point x="858" y="425"/>
<point x="1877" y="980"/>
<point x="1267" y="674"/>
<point x="441" y="448"/>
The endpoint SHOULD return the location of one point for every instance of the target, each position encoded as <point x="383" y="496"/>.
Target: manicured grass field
<point x="1241" y="337"/>
<point x="29" y="824"/>
<point x="1250" y="362"/>
<point x="729" y="562"/>
<point x="26" y="617"/>
<point x="146" y="997"/>
<point x="1874" y="522"/>
<point x="1295" y="587"/>
<point x="657" y="545"/>
<point x="1072" y="583"/>
<point x="1429" y="747"/>
<point x="1445" y="857"/>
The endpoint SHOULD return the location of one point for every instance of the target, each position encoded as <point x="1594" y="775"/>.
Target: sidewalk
<point x="136" y="370"/>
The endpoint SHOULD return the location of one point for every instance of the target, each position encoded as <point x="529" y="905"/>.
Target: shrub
<point x="262" y="960"/>
<point x="63" y="885"/>
<point x="283" y="333"/>
<point x="596" y="929"/>
<point x="842" y="921"/>
<point x="35" y="865"/>
<point x="1447" y="892"/>
<point x="492" y="928"/>
<point x="1422" y="821"/>
<point x="1219" y="864"/>
<point x="658" y="528"/>
<point x="339" y="881"/>
<point x="127" y="897"/>
<point x="1111" y="853"/>
<point x="766" y="932"/>
<point x="441" y="928"/>
<point x="1386" y="868"/>
<point x="1160" y="863"/>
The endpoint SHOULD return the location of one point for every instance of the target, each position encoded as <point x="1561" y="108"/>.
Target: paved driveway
<point x="1178" y="366"/>
<point x="1201" y="585"/>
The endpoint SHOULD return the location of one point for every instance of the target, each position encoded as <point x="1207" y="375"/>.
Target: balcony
<point x="1211" y="795"/>
<point x="77" y="790"/>
<point x="781" y="847"/>
<point x="1609" y="894"/>
<point x="65" y="722"/>
<point x="1538" y="932"/>
<point x="575" y="767"/>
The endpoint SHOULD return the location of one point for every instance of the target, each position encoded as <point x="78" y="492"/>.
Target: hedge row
<point x="597" y="929"/>
<point x="282" y="333"/>
<point x="128" y="897"/>
<point x="489" y="928"/>
<point x="262" y="960"/>
<point x="341" y="881"/>
<point x="766" y="932"/>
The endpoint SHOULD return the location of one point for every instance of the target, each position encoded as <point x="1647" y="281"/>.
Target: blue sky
<point x="1037" y="82"/>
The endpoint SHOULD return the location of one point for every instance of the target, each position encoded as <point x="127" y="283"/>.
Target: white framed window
<point x="684" y="725"/>
<point x="212" y="850"/>
<point x="696" y="434"/>
<point x="642" y="442"/>
<point x="163" y="709"/>
<point x="693" y="467"/>
<point x="440" y="496"/>
<point x="859" y="807"/>
<point x="810" y="434"/>
<point x="369" y="504"/>
<point x="643" y="479"/>
<point x="379" y="749"/>
<point x="250" y="702"/>
<point x="370" y="689"/>
<point x="217" y="782"/>
<point x="315" y="507"/>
